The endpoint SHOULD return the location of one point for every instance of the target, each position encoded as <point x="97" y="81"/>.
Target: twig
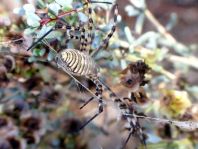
<point x="188" y="125"/>
<point x="162" y="30"/>
<point x="191" y="61"/>
<point x="159" y="27"/>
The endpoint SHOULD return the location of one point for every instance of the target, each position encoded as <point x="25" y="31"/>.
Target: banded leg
<point x="90" y="99"/>
<point x="90" y="29"/>
<point x="127" y="112"/>
<point x="86" y="41"/>
<point x="70" y="36"/>
<point x="58" y="26"/>
<point x="127" y="140"/>
<point x="100" y="100"/>
<point x="135" y="129"/>
<point x="82" y="40"/>
<point x="110" y="34"/>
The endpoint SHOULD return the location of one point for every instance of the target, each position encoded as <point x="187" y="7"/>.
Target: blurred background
<point x="40" y="103"/>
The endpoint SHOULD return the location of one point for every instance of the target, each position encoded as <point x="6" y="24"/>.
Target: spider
<point x="79" y="62"/>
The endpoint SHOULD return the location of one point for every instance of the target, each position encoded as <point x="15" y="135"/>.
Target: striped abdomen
<point x="76" y="62"/>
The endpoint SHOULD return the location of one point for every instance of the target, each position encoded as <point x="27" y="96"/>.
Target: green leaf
<point x="54" y="7"/>
<point x="33" y="20"/>
<point x="139" y="23"/>
<point x="65" y="3"/>
<point x="50" y="56"/>
<point x="43" y="30"/>
<point x="19" y="11"/>
<point x="32" y="59"/>
<point x="82" y="17"/>
<point x="39" y="52"/>
<point x="128" y="34"/>
<point x="29" y="8"/>
<point x="29" y="31"/>
<point x="131" y="11"/>
<point x="41" y="3"/>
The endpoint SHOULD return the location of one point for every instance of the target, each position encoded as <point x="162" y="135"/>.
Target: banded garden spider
<point x="80" y="63"/>
<point x="67" y="59"/>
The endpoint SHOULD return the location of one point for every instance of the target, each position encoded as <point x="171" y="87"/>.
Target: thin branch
<point x="159" y="26"/>
<point x="188" y="125"/>
<point x="191" y="61"/>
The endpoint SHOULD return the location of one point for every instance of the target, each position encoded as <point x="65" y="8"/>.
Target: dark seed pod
<point x="3" y="122"/>
<point x="29" y="137"/>
<point x="49" y="98"/>
<point x="31" y="124"/>
<point x="7" y="127"/>
<point x="32" y="82"/>
<point x="165" y="131"/>
<point x="4" y="144"/>
<point x="14" y="143"/>
<point x="71" y="125"/>
<point x="3" y="76"/>
<point x="9" y="63"/>
<point x="15" y="38"/>
<point x="15" y="108"/>
<point x="134" y="75"/>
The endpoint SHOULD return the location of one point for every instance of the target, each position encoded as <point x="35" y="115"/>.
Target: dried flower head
<point x="3" y="77"/>
<point x="33" y="122"/>
<point x="31" y="137"/>
<point x="165" y="131"/>
<point x="49" y="97"/>
<point x="139" y="97"/>
<point x="7" y="128"/>
<point x="9" y="63"/>
<point x="3" y="122"/>
<point x="133" y="76"/>
<point x="14" y="142"/>
<point x="4" y="144"/>
<point x="15" y="38"/>
<point x="175" y="102"/>
<point x="32" y="82"/>
<point x="71" y="125"/>
<point x="14" y="108"/>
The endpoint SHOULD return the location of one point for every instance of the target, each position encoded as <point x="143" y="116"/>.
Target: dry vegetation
<point x="150" y="62"/>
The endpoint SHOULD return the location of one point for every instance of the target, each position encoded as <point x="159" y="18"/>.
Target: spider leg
<point x="90" y="29"/>
<point x="135" y="129"/>
<point x="82" y="39"/>
<point x="70" y="34"/>
<point x="87" y="102"/>
<point x="58" y="26"/>
<point x="141" y="135"/>
<point x="110" y="34"/>
<point x="132" y="120"/>
<point x="127" y="140"/>
<point x="35" y="43"/>
<point x="100" y="100"/>
<point x="87" y="40"/>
